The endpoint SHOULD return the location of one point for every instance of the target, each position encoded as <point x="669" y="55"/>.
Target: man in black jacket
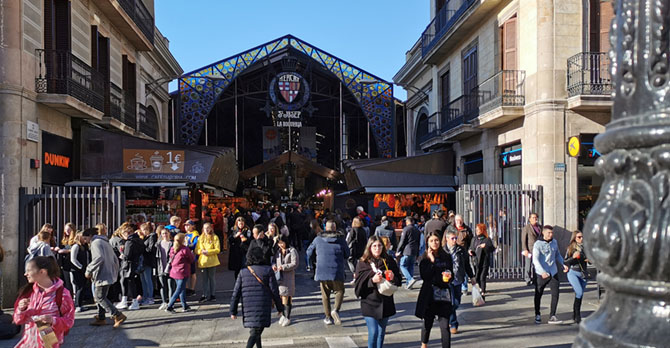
<point x="462" y="268"/>
<point x="409" y="247"/>
<point x="529" y="235"/>
<point x="436" y="224"/>
<point x="263" y="242"/>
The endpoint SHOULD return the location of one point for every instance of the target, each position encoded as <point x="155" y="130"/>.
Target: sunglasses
<point x="578" y="237"/>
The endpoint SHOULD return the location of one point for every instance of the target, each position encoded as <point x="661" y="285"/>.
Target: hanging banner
<point x="308" y="142"/>
<point x="145" y="161"/>
<point x="271" y="143"/>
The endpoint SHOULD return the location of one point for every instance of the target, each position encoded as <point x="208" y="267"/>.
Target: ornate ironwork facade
<point x="197" y="95"/>
<point x="627" y="233"/>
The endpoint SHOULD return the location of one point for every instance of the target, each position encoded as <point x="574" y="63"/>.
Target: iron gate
<point x="504" y="209"/>
<point x="83" y="206"/>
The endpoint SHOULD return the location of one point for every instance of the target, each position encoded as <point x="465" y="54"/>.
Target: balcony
<point x="66" y="83"/>
<point x="451" y="25"/>
<point x="431" y="137"/>
<point x="133" y="19"/>
<point x="458" y="115"/>
<point x="589" y="83"/>
<point x="501" y="98"/>
<point x="120" y="111"/>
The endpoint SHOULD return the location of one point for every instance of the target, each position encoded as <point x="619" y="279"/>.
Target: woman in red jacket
<point x="180" y="262"/>
<point x="43" y="302"/>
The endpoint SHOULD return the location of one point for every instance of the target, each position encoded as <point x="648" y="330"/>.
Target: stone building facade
<point x="66" y="63"/>
<point x="506" y="83"/>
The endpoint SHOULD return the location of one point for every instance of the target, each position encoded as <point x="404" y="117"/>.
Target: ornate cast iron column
<point x="627" y="233"/>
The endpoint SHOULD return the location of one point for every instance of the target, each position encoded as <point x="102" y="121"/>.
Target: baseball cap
<point x="189" y="222"/>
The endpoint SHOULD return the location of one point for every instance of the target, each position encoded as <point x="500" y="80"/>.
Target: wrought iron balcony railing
<point x="115" y="109"/>
<point x="129" y="114"/>
<point x="148" y="121"/>
<point x="460" y="111"/>
<point x="61" y="72"/>
<point x="141" y="16"/>
<point x="589" y="74"/>
<point x="506" y="88"/>
<point x="433" y="129"/>
<point x="444" y="20"/>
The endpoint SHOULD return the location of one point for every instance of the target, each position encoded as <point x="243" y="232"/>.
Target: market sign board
<point x="57" y="165"/>
<point x="153" y="161"/>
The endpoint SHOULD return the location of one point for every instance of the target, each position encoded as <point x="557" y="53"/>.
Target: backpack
<point x="59" y="303"/>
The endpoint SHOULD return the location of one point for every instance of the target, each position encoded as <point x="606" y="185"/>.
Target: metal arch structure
<point x="197" y="95"/>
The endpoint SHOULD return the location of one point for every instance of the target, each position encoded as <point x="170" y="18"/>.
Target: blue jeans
<point x="376" y="331"/>
<point x="578" y="283"/>
<point x="457" y="292"/>
<point x="422" y="244"/>
<point x="147" y="283"/>
<point x="464" y="286"/>
<point x="407" y="267"/>
<point x="180" y="292"/>
<point x="305" y="245"/>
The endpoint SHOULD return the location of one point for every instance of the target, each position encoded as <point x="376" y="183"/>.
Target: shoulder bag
<point x="385" y="287"/>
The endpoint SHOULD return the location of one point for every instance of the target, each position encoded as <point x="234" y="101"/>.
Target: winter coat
<point x="181" y="263"/>
<point x="43" y="302"/>
<point x="374" y="304"/>
<point x="461" y="263"/>
<point x="104" y="265"/>
<point x="256" y="298"/>
<point x="410" y="240"/>
<point x="288" y="262"/>
<point x="431" y="274"/>
<point x="435" y="225"/>
<point x="117" y="243"/>
<point x="150" y="242"/>
<point x="577" y="265"/>
<point x="38" y="249"/>
<point x="546" y="257"/>
<point x="356" y="241"/>
<point x="161" y="268"/>
<point x="529" y="237"/>
<point x="213" y="248"/>
<point x="464" y="235"/>
<point x="482" y="257"/>
<point x="331" y="251"/>
<point x="236" y="255"/>
<point x="388" y="232"/>
<point x="133" y="249"/>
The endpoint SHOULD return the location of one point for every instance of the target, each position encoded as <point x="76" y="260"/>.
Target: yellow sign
<point x="574" y="146"/>
<point x="153" y="161"/>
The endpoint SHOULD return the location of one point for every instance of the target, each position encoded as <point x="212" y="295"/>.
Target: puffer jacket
<point x="213" y="248"/>
<point x="331" y="251"/>
<point x="133" y="250"/>
<point x="256" y="297"/>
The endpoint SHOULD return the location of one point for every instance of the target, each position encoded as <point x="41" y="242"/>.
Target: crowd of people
<point x="264" y="248"/>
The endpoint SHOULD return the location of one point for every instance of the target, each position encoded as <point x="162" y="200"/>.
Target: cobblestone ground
<point x="506" y="320"/>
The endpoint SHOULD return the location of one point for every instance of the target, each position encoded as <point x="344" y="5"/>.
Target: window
<point x="129" y="93"/>
<point x="509" y="44"/>
<point x="470" y="90"/>
<point x="421" y="128"/>
<point x="57" y="25"/>
<point x="473" y="168"/>
<point x="600" y="19"/>
<point x="100" y="62"/>
<point x="444" y="97"/>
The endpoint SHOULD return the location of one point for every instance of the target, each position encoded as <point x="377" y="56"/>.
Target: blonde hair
<point x="273" y="225"/>
<point x="174" y="219"/>
<point x="77" y="238"/>
<point x="209" y="237"/>
<point x="178" y="241"/>
<point x="102" y="229"/>
<point x="69" y="240"/>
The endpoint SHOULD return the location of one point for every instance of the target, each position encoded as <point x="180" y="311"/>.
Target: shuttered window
<point x="444" y="81"/>
<point x="57" y="25"/>
<point x="509" y="44"/>
<point x="600" y="20"/>
<point x="470" y="67"/>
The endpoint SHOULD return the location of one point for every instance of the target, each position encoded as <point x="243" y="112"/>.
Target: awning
<point x="130" y="161"/>
<point x="304" y="166"/>
<point x="429" y="173"/>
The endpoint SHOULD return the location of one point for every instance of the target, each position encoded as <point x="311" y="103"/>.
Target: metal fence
<point x="83" y="206"/>
<point x="504" y="209"/>
<point x="589" y="74"/>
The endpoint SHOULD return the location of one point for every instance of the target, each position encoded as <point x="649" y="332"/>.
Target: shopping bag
<point x="477" y="299"/>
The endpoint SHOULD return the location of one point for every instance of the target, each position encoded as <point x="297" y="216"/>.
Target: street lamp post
<point x="627" y="232"/>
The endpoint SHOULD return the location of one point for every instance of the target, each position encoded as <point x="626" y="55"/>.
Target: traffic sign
<point x="574" y="147"/>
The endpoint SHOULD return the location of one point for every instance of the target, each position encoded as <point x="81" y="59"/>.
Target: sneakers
<point x="352" y="282"/>
<point x="309" y="269"/>
<point x="134" y="306"/>
<point x="119" y="319"/>
<point x="538" y="319"/>
<point x="98" y="322"/>
<point x="186" y="309"/>
<point x="336" y="317"/>
<point x="554" y="321"/>
<point x="284" y="321"/>
<point x="202" y="299"/>
<point x="148" y="301"/>
<point x="328" y="321"/>
<point x="212" y="299"/>
<point x="162" y="306"/>
<point x="411" y="283"/>
<point x="170" y="310"/>
<point x="123" y="304"/>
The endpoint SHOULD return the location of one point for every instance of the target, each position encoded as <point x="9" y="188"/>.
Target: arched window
<point x="149" y="122"/>
<point x="421" y="128"/>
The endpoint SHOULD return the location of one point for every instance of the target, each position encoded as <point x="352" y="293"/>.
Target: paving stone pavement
<point x="506" y="320"/>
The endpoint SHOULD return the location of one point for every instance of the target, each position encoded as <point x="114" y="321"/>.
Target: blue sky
<point x="371" y="34"/>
